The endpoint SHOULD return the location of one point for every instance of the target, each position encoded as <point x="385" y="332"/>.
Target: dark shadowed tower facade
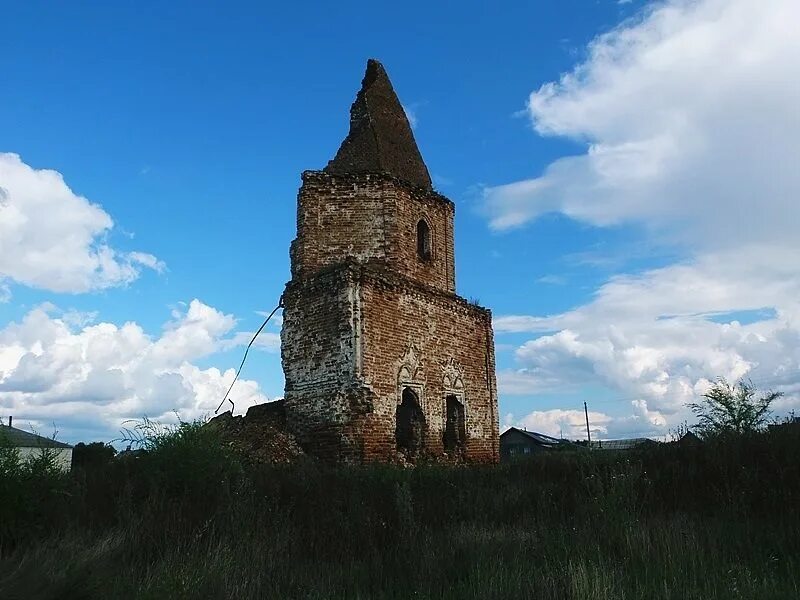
<point x="381" y="357"/>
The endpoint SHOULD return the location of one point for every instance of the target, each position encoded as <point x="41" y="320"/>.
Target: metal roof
<point x="539" y="438"/>
<point x="626" y="444"/>
<point x="23" y="439"/>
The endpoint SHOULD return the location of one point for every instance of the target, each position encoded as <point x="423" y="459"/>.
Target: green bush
<point x="188" y="518"/>
<point x="31" y="491"/>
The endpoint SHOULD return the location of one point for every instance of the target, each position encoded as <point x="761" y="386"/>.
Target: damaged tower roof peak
<point x="380" y="138"/>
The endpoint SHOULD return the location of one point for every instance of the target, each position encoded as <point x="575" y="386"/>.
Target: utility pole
<point x="588" y="434"/>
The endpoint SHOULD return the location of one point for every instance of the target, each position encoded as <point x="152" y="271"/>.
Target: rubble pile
<point x="260" y="435"/>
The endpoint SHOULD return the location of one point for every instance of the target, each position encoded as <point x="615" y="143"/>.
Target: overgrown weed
<point x="189" y="518"/>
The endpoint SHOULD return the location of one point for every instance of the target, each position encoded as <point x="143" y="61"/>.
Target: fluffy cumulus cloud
<point x="54" y="239"/>
<point x="569" y="424"/>
<point x="689" y="114"/>
<point x="61" y="367"/>
<point x="691" y="124"/>
<point x="664" y="334"/>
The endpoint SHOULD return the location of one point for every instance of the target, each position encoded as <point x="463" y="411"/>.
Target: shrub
<point x="188" y="518"/>
<point x="30" y="491"/>
<point x="733" y="409"/>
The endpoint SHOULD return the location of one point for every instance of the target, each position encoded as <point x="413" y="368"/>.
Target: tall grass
<point x="191" y="519"/>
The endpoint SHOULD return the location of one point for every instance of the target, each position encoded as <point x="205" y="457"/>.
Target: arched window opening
<point x="410" y="427"/>
<point x="424" y="240"/>
<point x="455" y="430"/>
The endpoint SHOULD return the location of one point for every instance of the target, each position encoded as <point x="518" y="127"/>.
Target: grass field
<point x="190" y="519"/>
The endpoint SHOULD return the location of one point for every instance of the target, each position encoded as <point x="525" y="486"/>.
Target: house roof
<point x="538" y="438"/>
<point x="23" y="439"/>
<point x="789" y="423"/>
<point x="689" y="439"/>
<point x="625" y="444"/>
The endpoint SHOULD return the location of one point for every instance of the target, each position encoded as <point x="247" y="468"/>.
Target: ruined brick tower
<point x="382" y="359"/>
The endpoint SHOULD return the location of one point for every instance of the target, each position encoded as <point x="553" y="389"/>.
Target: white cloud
<point x="552" y="280"/>
<point x="690" y="117"/>
<point x="147" y="260"/>
<point x="276" y="321"/>
<point x="661" y="336"/>
<point x="57" y="367"/>
<point x="569" y="424"/>
<point x="747" y="278"/>
<point x="266" y="340"/>
<point x="689" y="113"/>
<point x="53" y="239"/>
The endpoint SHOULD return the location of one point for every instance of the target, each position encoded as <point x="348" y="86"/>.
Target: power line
<point x="244" y="358"/>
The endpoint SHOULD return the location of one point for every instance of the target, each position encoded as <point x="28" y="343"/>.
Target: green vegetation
<point x="191" y="519"/>
<point x="727" y="409"/>
<point x="28" y="491"/>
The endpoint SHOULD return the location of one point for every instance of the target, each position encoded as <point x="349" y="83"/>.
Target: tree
<point x="733" y="409"/>
<point x="92" y="455"/>
<point x="9" y="459"/>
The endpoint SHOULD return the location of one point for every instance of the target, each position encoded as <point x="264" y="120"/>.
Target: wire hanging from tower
<point x="244" y="358"/>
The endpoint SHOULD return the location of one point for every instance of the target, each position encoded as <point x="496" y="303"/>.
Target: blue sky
<point x="579" y="140"/>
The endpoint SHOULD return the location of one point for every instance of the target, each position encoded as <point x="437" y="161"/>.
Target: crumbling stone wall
<point x="372" y="217"/>
<point x="354" y="336"/>
<point x="438" y="345"/>
<point x="260" y="434"/>
<point x="321" y="360"/>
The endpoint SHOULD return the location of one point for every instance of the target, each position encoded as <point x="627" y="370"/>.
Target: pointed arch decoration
<point x="410" y="374"/>
<point x="453" y="376"/>
<point x="455" y="413"/>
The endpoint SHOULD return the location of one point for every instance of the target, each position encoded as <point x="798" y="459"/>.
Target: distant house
<point x="689" y="440"/>
<point x="30" y="445"/>
<point x="519" y="442"/>
<point x="790" y="424"/>
<point x="624" y="444"/>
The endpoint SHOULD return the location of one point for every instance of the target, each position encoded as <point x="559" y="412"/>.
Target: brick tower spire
<point x="380" y="138"/>
<point x="383" y="360"/>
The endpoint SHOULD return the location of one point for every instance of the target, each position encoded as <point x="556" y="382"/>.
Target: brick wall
<point x="371" y="217"/>
<point x="365" y="316"/>
<point x="319" y="358"/>
<point x="406" y="207"/>
<point x="370" y="311"/>
<point x="424" y="339"/>
<point x="354" y="335"/>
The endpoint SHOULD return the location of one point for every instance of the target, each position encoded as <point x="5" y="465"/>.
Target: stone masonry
<point x="383" y="361"/>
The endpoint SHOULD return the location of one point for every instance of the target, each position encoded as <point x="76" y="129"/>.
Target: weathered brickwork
<point x="319" y="349"/>
<point x="372" y="217"/>
<point x="437" y="344"/>
<point x="383" y="361"/>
